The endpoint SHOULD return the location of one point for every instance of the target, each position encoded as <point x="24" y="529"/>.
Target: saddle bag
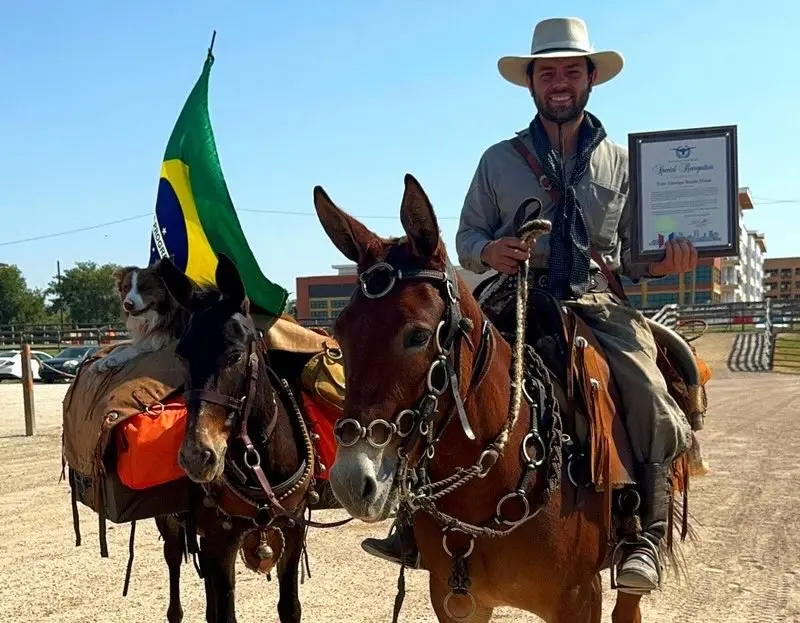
<point x="323" y="378"/>
<point x="104" y="457"/>
<point x="148" y="445"/>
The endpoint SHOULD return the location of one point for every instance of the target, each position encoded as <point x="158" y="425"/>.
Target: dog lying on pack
<point x="151" y="315"/>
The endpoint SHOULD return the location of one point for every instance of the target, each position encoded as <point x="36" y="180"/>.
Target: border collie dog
<point x="151" y="315"/>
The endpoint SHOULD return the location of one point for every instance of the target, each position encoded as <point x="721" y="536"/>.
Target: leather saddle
<point x="593" y="417"/>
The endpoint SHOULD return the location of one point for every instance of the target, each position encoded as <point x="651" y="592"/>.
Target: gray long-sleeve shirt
<point x="503" y="180"/>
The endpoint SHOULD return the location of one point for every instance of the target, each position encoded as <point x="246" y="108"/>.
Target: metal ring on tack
<point x="451" y="291"/>
<point x="509" y="496"/>
<point x="485" y="468"/>
<point x="399" y="420"/>
<point x="341" y="424"/>
<point x="441" y="362"/>
<point x="526" y="393"/>
<point x="473" y="606"/>
<point x="334" y="353"/>
<point x="447" y="549"/>
<point x="570" y="463"/>
<point x="362" y="278"/>
<point x="252" y="452"/>
<point x="369" y="434"/>
<point x="539" y="443"/>
<point x="438" y="336"/>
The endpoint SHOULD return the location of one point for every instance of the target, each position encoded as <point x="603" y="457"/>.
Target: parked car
<point x="11" y="364"/>
<point x="62" y="367"/>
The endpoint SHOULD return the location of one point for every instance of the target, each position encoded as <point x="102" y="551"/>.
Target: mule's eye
<point x="417" y="337"/>
<point x="235" y="359"/>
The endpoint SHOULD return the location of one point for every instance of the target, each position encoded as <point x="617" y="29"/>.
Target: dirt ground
<point x="745" y="567"/>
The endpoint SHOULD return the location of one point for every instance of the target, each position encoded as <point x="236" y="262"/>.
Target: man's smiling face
<point x="560" y="87"/>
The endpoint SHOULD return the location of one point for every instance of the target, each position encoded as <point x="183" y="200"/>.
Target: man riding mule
<point x="564" y="166"/>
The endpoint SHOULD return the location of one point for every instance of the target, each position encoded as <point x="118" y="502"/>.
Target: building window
<point x="318" y="304"/>
<point x="660" y="299"/>
<point x="320" y="315"/>
<point x="339" y="303"/>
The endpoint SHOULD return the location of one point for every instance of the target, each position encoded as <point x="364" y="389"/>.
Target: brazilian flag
<point x="194" y="216"/>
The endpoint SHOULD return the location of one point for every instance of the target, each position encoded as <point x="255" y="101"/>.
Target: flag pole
<point x="211" y="47"/>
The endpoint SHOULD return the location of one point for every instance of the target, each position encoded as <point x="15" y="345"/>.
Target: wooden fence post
<point x="27" y="391"/>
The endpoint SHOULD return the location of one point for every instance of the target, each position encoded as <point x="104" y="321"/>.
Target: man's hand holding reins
<point x="505" y="254"/>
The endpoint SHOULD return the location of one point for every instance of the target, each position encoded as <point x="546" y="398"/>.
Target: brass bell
<point x="315" y="437"/>
<point x="265" y="552"/>
<point x="313" y="496"/>
<point x="322" y="467"/>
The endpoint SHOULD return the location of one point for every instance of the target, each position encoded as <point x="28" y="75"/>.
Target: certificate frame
<point x="682" y="142"/>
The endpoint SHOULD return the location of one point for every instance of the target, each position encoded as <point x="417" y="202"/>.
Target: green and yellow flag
<point x="194" y="216"/>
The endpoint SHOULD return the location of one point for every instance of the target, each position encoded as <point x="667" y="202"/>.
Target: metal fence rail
<point x="768" y="316"/>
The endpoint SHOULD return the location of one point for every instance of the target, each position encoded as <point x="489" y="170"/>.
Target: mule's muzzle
<point x="362" y="482"/>
<point x="201" y="462"/>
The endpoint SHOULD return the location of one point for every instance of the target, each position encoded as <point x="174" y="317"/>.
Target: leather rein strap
<point x="613" y="280"/>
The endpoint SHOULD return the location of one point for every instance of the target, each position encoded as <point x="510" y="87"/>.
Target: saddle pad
<point x="148" y="444"/>
<point x="321" y="420"/>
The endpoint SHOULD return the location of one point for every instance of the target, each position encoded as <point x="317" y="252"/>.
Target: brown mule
<point x="475" y="439"/>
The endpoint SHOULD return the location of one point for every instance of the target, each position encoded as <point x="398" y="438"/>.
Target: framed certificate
<point x="684" y="185"/>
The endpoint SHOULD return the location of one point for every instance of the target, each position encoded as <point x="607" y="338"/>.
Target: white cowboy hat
<point x="561" y="37"/>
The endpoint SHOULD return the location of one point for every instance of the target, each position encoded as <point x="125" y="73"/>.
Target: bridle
<point x="530" y="382"/>
<point x="413" y="424"/>
<point x="263" y="513"/>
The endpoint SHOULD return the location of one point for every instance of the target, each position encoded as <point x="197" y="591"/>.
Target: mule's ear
<point x="346" y="233"/>
<point x="229" y="281"/>
<point x="418" y="219"/>
<point x="176" y="282"/>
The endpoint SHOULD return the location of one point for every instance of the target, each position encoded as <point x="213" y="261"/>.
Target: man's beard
<point x="562" y="114"/>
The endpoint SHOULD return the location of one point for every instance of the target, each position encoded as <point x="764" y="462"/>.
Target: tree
<point x="291" y="307"/>
<point x="87" y="293"/>
<point x="18" y="304"/>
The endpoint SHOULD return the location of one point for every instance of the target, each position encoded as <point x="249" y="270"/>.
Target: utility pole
<point x="60" y="303"/>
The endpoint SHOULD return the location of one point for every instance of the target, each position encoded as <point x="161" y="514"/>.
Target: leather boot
<point x="640" y="571"/>
<point x="398" y="546"/>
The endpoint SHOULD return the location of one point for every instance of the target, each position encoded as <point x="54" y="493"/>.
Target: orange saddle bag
<point x="148" y="444"/>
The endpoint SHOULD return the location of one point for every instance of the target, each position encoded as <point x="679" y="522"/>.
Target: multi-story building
<point x="743" y="275"/>
<point x="782" y="278"/>
<point x="701" y="287"/>
<point x="321" y="298"/>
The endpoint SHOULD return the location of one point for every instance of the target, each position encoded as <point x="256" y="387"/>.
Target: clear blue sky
<point x="350" y="95"/>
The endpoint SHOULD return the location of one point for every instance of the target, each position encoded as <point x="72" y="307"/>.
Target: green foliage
<point x="18" y="304"/>
<point x="87" y="293"/>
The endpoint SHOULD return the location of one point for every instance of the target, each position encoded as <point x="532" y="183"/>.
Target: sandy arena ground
<point x="745" y="567"/>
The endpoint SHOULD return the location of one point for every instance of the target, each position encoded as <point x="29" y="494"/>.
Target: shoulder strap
<point x="613" y="280"/>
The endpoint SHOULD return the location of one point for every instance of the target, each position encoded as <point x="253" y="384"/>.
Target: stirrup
<point x="617" y="559"/>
